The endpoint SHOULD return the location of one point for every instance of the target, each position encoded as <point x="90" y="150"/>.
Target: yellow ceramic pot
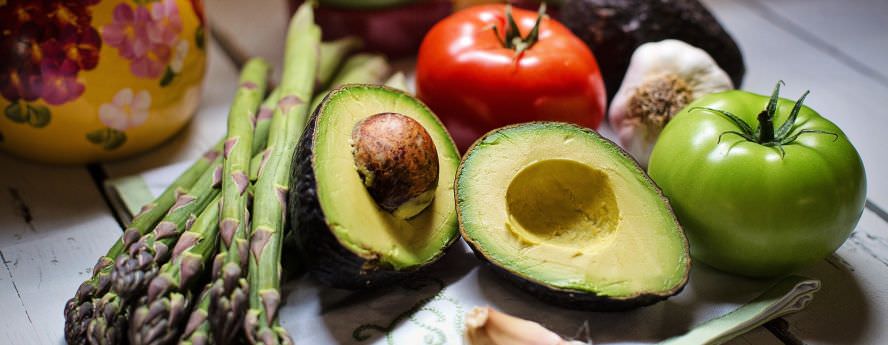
<point x="91" y="80"/>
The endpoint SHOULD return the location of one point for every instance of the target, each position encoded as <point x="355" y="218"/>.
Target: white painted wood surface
<point x="835" y="48"/>
<point x="53" y="227"/>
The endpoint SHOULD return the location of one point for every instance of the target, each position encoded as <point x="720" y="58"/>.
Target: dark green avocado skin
<point x="614" y="28"/>
<point x="577" y="300"/>
<point x="326" y="260"/>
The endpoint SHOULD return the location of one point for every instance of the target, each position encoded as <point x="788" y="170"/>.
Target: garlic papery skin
<point x="486" y="326"/>
<point x="662" y="78"/>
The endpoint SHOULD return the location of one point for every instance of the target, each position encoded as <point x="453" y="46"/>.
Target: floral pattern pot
<point x="91" y="80"/>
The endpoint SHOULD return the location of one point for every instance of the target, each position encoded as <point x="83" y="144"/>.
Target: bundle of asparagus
<point x="80" y="310"/>
<point x="143" y="291"/>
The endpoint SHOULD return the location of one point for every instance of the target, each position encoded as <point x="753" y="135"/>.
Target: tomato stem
<point x="512" y="38"/>
<point x="764" y="134"/>
<point x="766" y="127"/>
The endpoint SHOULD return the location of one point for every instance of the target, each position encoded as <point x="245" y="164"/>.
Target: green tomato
<point x="759" y="192"/>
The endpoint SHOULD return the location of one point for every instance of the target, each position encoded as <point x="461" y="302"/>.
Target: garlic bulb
<point x="486" y="326"/>
<point x="663" y="77"/>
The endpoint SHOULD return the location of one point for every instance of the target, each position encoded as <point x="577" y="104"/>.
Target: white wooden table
<point x="54" y="222"/>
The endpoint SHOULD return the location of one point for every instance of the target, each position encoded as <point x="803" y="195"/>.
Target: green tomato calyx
<point x="512" y="38"/>
<point x="764" y="133"/>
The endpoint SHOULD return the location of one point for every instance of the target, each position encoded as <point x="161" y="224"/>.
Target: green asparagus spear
<point x="260" y="136"/>
<point x="261" y="323"/>
<point x="360" y="68"/>
<point x="79" y="310"/>
<point x="263" y="120"/>
<point x="232" y="260"/>
<point x="197" y="330"/>
<point x="109" y="324"/>
<point x="238" y="152"/>
<point x="332" y="54"/>
<point x="158" y="316"/>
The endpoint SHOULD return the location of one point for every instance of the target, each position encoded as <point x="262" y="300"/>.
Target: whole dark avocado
<point x="614" y="28"/>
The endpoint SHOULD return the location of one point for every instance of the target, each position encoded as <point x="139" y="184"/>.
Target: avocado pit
<point x="397" y="162"/>
<point x="561" y="202"/>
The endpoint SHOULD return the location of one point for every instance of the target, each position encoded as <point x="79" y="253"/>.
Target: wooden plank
<point x="19" y="328"/>
<point x="53" y="226"/>
<point x="852" y="306"/>
<point x="851" y="31"/>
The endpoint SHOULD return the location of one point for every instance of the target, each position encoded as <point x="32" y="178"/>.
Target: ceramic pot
<point x="93" y="80"/>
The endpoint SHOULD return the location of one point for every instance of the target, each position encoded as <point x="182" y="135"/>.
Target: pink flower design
<point x="167" y="24"/>
<point x="143" y="36"/>
<point x="126" y="110"/>
<point x="59" y="84"/>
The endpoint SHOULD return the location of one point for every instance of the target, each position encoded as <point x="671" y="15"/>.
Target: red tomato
<point x="466" y="75"/>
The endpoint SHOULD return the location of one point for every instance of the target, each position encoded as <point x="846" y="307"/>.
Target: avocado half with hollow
<point x="569" y="217"/>
<point x="373" y="196"/>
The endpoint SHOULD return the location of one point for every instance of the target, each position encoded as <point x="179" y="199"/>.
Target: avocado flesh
<point x="351" y="214"/>
<point x="561" y="207"/>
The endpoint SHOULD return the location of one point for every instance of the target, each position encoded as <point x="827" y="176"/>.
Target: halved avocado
<point x="570" y="217"/>
<point x="373" y="198"/>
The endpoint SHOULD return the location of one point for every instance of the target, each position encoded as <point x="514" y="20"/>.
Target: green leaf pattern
<point x="108" y="138"/>
<point x="35" y="115"/>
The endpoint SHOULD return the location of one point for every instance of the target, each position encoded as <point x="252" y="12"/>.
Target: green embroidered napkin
<point x="712" y="309"/>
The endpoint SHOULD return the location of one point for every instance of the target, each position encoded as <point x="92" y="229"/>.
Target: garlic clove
<point x="486" y="326"/>
<point x="662" y="78"/>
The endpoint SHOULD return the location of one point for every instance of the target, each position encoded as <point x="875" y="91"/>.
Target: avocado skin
<point x="566" y="298"/>
<point x="326" y="260"/>
<point x="614" y="28"/>
<point x="577" y="300"/>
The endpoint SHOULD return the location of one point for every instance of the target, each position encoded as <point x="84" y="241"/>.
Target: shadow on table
<point x="363" y="317"/>
<point x="603" y="327"/>
<point x="840" y="311"/>
<point x="709" y="294"/>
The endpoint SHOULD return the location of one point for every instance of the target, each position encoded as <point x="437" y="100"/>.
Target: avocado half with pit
<point x="570" y="217"/>
<point x="373" y="196"/>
